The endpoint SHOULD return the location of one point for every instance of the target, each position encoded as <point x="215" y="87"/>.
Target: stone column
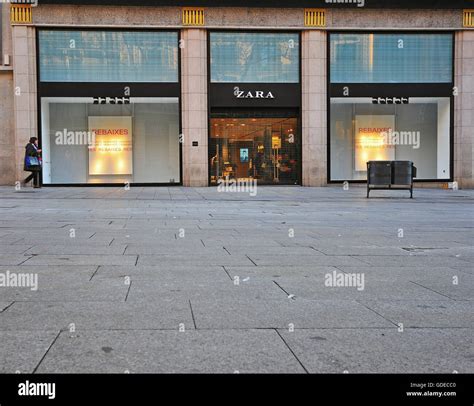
<point x="194" y="106"/>
<point x="464" y="110"/>
<point x="24" y="88"/>
<point x="7" y="129"/>
<point x="314" y="131"/>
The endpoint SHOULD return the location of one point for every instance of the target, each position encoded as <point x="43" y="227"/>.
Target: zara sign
<point x="255" y="94"/>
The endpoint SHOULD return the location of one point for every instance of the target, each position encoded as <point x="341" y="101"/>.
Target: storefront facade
<point x="109" y="109"/>
<point x="390" y="98"/>
<point x="254" y="107"/>
<point x="162" y="95"/>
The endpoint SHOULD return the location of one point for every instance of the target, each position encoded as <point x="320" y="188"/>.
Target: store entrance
<point x="264" y="149"/>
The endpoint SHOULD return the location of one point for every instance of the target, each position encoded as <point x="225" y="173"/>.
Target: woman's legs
<point x="32" y="175"/>
<point x="36" y="179"/>
<point x="35" y="175"/>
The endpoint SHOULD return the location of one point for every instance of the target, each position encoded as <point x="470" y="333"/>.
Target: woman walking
<point x="33" y="162"/>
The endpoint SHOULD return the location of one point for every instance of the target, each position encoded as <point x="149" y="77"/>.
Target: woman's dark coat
<point x="30" y="150"/>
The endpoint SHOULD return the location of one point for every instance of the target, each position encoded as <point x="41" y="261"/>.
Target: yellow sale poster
<point x="111" y="153"/>
<point x="371" y="140"/>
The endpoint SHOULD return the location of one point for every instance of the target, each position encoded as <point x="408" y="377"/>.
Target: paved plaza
<point x="292" y="280"/>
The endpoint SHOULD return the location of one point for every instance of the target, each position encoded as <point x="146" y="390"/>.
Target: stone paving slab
<point x="127" y="309"/>
<point x="4" y="305"/>
<point x="177" y="249"/>
<point x="68" y="259"/>
<point x="263" y="313"/>
<point x="377" y="241"/>
<point x="235" y="249"/>
<point x="404" y="272"/>
<point x="45" y="234"/>
<point x="72" y="249"/>
<point x="456" y="286"/>
<point x="52" y="289"/>
<point x="165" y="273"/>
<point x="65" y="239"/>
<point x="297" y="260"/>
<point x="425" y="314"/>
<point x="372" y="289"/>
<point x="164" y="313"/>
<point x="210" y="259"/>
<point x="231" y="351"/>
<point x="300" y="272"/>
<point x="61" y="273"/>
<point x="420" y="351"/>
<point x="360" y="252"/>
<point x="197" y="289"/>
<point x="411" y="260"/>
<point x="16" y="249"/>
<point x="468" y="270"/>
<point x="22" y="351"/>
<point x="7" y="259"/>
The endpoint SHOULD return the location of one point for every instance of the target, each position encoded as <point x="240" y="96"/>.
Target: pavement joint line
<point x="128" y="290"/>
<point x="339" y="269"/>
<point x="251" y="260"/>
<point x="6" y="308"/>
<point x="192" y="315"/>
<point x="227" y="272"/>
<point x="432" y="290"/>
<point x="97" y="269"/>
<point x="276" y="283"/>
<point x="372" y="310"/>
<point x="24" y="252"/>
<point x="46" y="353"/>
<point x="292" y="352"/>
<point x="27" y="259"/>
<point x="322" y="252"/>
<point x="207" y="329"/>
<point x="359" y="259"/>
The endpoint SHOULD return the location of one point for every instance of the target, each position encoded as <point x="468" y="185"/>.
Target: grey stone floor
<point x="192" y="280"/>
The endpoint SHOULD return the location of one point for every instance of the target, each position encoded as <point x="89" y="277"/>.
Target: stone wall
<point x="259" y="18"/>
<point x="194" y="106"/>
<point x="7" y="127"/>
<point x="25" y="93"/>
<point x="7" y="130"/>
<point x="314" y="116"/>
<point x="464" y="110"/>
<point x="19" y="113"/>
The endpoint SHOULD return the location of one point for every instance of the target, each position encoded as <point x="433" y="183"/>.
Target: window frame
<point x="109" y="89"/>
<point x="220" y="31"/>
<point x="390" y="89"/>
<point x="106" y="29"/>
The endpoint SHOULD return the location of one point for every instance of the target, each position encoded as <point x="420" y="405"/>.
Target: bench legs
<point x="411" y="191"/>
